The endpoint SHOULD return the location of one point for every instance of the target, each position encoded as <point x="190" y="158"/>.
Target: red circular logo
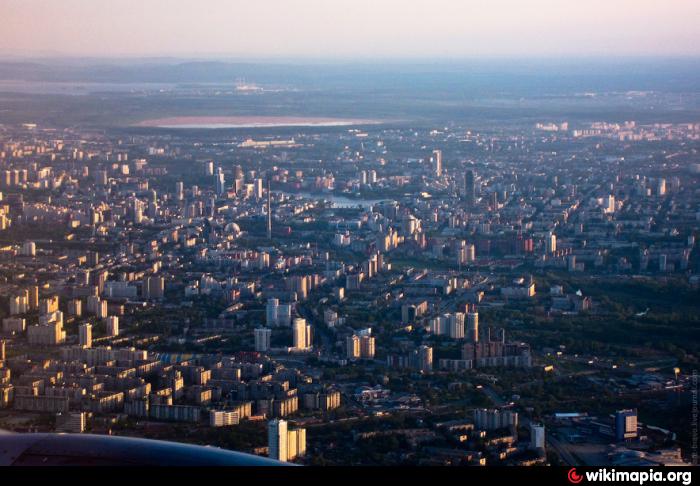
<point x="574" y="477"/>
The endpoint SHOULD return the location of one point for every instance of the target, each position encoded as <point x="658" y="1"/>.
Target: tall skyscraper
<point x="470" y="187"/>
<point x="269" y="210"/>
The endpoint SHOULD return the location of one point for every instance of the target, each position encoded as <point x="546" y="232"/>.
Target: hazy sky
<point x="350" y="29"/>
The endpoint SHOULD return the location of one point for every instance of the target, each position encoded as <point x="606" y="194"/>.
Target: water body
<point x="337" y="201"/>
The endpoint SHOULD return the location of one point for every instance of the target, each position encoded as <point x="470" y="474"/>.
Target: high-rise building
<point x="352" y="347"/>
<point x="262" y="339"/>
<point x="302" y="334"/>
<point x="271" y="311"/>
<point x="180" y="191"/>
<point x="28" y="249"/>
<point x="470" y="187"/>
<point x="625" y="424"/>
<point x="551" y="242"/>
<point x="367" y="347"/>
<point x="209" y="168"/>
<point x="220" y="182"/>
<point x="661" y="188"/>
<point x="112" y="325"/>
<point x="537" y="436"/>
<point x="285" y="444"/>
<point x="494" y="419"/>
<point x="269" y="210"/>
<point x="85" y="331"/>
<point x="424" y="356"/>
<point x="455" y="325"/>
<point x="153" y="288"/>
<point x="277" y="440"/>
<point x="436" y="160"/>
<point x="473" y="326"/>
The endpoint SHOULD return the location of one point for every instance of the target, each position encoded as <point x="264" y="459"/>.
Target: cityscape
<point x="453" y="263"/>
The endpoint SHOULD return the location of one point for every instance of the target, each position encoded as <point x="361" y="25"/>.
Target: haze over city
<point x="357" y="29"/>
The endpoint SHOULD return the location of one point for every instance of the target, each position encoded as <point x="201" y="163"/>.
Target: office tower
<point x="302" y="334"/>
<point x="277" y="437"/>
<point x="473" y="326"/>
<point x="551" y="242"/>
<point x="470" y="187"/>
<point x="2" y="350"/>
<point x="85" y="331"/>
<point x="262" y="339"/>
<point x="537" y="436"/>
<point x="436" y="160"/>
<point x="112" y="325"/>
<point x="625" y="424"/>
<point x="424" y="358"/>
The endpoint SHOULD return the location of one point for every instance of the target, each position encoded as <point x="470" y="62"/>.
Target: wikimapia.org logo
<point x="639" y="477"/>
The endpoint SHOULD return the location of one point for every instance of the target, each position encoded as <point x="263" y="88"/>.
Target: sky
<point x="357" y="29"/>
